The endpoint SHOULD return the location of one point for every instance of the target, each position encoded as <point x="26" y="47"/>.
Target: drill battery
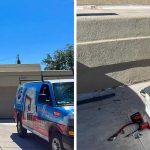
<point x="137" y="118"/>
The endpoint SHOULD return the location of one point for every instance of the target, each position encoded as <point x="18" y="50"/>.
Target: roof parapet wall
<point x="113" y="2"/>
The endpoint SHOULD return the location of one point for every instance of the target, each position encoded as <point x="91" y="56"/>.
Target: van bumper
<point x="68" y="142"/>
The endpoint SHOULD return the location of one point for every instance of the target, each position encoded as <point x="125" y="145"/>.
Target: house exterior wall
<point x="113" y="50"/>
<point x="9" y="82"/>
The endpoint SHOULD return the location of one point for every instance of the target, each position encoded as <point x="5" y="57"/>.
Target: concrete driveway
<point x="97" y="121"/>
<point x="9" y="139"/>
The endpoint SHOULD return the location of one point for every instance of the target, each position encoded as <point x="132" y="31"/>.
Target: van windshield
<point x="64" y="93"/>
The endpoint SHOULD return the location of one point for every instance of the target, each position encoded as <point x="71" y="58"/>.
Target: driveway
<point x="9" y="139"/>
<point x="97" y="121"/>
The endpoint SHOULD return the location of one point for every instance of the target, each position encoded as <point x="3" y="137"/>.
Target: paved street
<point x="9" y="139"/>
<point x="97" y="121"/>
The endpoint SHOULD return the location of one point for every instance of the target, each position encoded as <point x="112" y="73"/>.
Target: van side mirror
<point x="42" y="98"/>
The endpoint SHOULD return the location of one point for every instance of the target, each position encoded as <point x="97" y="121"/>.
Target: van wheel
<point x="22" y="132"/>
<point x="56" y="142"/>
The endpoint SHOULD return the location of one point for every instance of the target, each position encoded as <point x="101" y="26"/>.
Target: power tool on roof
<point x="136" y="118"/>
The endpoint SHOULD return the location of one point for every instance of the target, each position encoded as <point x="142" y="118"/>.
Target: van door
<point x="30" y="108"/>
<point x="43" y="107"/>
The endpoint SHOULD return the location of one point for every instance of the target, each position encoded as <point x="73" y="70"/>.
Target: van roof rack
<point x="42" y="78"/>
<point x="23" y="80"/>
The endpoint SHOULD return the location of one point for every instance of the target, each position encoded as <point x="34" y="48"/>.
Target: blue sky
<point x="33" y="28"/>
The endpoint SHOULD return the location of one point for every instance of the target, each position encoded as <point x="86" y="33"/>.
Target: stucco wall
<point x="112" y="50"/>
<point x="9" y="82"/>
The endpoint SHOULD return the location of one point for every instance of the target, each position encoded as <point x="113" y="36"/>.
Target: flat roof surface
<point x="97" y="121"/>
<point x="108" y="12"/>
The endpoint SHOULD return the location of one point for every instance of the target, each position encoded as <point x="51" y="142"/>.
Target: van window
<point x="64" y="93"/>
<point x="44" y="96"/>
<point x="19" y="94"/>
